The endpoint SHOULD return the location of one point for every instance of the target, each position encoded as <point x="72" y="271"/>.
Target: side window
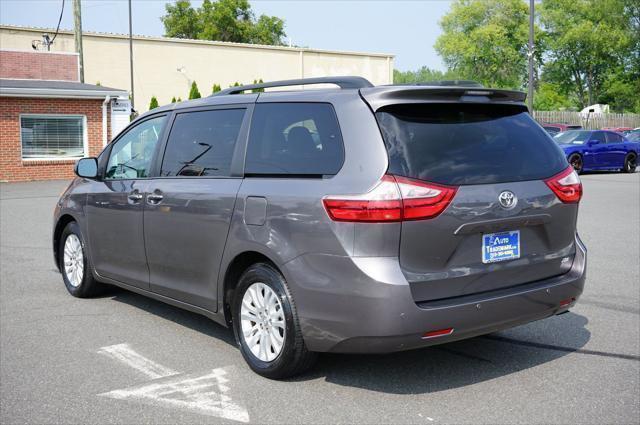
<point x="294" y="139"/>
<point x="598" y="136"/>
<point x="202" y="143"/>
<point x="613" y="138"/>
<point x="131" y="155"/>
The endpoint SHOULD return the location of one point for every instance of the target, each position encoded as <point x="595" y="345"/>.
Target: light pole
<point x="77" y="24"/>
<point x="530" y="56"/>
<point x="131" y="57"/>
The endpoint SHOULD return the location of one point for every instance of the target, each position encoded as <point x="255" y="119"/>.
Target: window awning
<point x="56" y="89"/>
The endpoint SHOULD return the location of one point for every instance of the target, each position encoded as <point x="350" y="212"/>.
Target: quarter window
<point x="131" y="156"/>
<point x="613" y="138"/>
<point x="294" y="139"/>
<point x="202" y="143"/>
<point x="52" y="136"/>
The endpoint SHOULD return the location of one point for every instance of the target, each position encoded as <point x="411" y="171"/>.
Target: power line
<point x="59" y="21"/>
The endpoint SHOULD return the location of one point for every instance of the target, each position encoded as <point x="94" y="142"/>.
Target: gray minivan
<point x="354" y="219"/>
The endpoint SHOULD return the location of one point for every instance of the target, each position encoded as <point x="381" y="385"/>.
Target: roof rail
<point x="342" y="82"/>
<point x="447" y="83"/>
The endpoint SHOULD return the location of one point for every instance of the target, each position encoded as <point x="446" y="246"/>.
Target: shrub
<point x="154" y="103"/>
<point x="194" y="93"/>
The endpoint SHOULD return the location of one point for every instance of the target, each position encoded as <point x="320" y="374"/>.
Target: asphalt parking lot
<point x="123" y="358"/>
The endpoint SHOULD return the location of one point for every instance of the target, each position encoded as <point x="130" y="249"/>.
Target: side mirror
<point x="87" y="168"/>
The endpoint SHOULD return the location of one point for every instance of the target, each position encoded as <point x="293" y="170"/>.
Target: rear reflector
<point x="566" y="302"/>
<point x="434" y="334"/>
<point x="566" y="185"/>
<point x="392" y="199"/>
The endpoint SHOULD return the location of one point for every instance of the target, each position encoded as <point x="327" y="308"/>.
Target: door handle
<point x="135" y="196"/>
<point x="154" y="198"/>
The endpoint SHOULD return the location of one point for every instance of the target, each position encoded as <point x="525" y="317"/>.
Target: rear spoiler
<point x="378" y="97"/>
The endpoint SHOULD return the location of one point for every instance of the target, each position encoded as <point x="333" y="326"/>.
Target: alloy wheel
<point x="576" y="163"/>
<point x="262" y="322"/>
<point x="73" y="260"/>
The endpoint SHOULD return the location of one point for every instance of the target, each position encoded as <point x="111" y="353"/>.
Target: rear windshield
<point x="461" y="144"/>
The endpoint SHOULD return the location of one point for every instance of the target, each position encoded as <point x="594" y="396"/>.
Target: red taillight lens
<point x="566" y="185"/>
<point x="393" y="199"/>
<point x="381" y="204"/>
<point x="422" y="200"/>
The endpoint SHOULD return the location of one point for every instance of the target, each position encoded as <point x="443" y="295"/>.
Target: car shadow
<point x="457" y="364"/>
<point x="182" y="317"/>
<point x="427" y="370"/>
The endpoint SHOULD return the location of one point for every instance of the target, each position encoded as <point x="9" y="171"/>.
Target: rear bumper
<point x="364" y="305"/>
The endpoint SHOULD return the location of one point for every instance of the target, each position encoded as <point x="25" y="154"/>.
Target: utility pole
<point x="131" y="56"/>
<point x="77" y="23"/>
<point x="530" y="55"/>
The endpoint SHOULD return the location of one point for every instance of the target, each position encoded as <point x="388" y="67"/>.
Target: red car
<point x="617" y="129"/>
<point x="555" y="128"/>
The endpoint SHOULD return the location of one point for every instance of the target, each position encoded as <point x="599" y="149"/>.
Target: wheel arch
<point x="234" y="270"/>
<point x="62" y="222"/>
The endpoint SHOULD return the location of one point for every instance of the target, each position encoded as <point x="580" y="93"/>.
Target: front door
<point x="189" y="206"/>
<point x="598" y="151"/>
<point x="115" y="206"/>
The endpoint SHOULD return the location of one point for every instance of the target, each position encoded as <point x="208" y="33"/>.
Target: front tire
<point x="74" y="263"/>
<point x="630" y="163"/>
<point x="576" y="162"/>
<point x="266" y="324"/>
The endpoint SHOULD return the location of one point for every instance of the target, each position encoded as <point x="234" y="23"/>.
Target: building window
<point x="53" y="136"/>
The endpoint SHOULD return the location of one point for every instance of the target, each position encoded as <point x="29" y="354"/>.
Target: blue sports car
<point x="588" y="150"/>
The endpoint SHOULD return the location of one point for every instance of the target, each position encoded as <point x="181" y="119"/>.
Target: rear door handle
<point x="154" y="198"/>
<point x="135" y="196"/>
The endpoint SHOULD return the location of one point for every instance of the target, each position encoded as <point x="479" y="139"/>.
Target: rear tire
<point x="275" y="335"/>
<point x="576" y="162"/>
<point x="74" y="264"/>
<point x="630" y="163"/>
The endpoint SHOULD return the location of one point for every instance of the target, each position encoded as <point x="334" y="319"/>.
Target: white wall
<point x="106" y="59"/>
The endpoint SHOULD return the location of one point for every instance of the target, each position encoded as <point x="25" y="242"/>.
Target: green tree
<point x="589" y="41"/>
<point x="222" y="20"/>
<point x="154" y="103"/>
<point x="179" y="99"/>
<point x="549" y="97"/>
<point x="181" y="20"/>
<point x="257" y="82"/>
<point x="194" y="93"/>
<point x="486" y="41"/>
<point x="173" y="99"/>
<point x="422" y="75"/>
<point x="216" y="88"/>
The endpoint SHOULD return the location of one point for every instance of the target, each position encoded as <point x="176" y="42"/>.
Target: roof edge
<point x="60" y="93"/>
<point x="192" y="41"/>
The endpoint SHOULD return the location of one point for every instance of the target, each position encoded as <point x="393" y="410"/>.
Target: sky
<point x="407" y="29"/>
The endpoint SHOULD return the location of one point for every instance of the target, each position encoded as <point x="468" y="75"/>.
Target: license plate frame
<point x="501" y="246"/>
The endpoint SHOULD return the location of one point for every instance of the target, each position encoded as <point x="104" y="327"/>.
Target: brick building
<point x="48" y="119"/>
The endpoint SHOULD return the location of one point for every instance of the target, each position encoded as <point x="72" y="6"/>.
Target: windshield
<point x="572" y="137"/>
<point x="467" y="144"/>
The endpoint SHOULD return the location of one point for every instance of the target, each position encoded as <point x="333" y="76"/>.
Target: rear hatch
<point x="505" y="226"/>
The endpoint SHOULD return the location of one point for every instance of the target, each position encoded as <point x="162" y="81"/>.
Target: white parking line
<point x="204" y="394"/>
<point x="126" y="355"/>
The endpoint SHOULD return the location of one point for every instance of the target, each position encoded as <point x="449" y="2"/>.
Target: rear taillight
<point x="393" y="199"/>
<point x="566" y="185"/>
<point x="422" y="200"/>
